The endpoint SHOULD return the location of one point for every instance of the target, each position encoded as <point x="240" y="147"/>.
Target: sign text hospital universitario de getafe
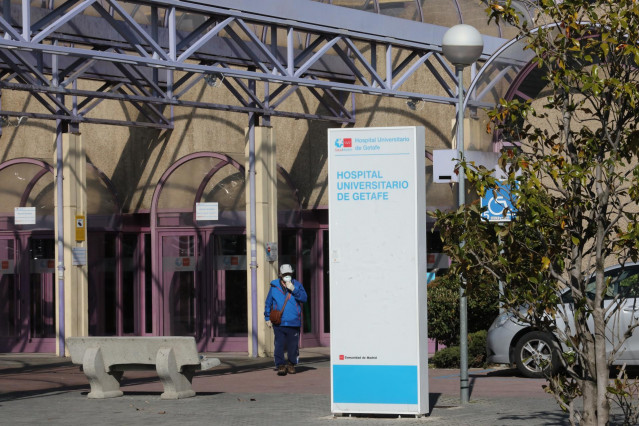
<point x="377" y="245"/>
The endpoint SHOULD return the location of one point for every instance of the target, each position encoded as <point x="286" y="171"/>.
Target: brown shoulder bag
<point x="276" y="316"/>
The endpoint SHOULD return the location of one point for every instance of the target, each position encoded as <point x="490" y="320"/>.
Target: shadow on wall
<point x="147" y="153"/>
<point x="16" y="128"/>
<point x="309" y="162"/>
<point x="150" y="152"/>
<point x="312" y="156"/>
<point x="134" y="160"/>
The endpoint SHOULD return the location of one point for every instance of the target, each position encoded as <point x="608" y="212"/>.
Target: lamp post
<point x="462" y="45"/>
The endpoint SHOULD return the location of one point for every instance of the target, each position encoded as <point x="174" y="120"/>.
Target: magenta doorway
<point x="27" y="293"/>
<point x="203" y="288"/>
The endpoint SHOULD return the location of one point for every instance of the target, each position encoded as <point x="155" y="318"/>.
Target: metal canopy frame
<point x="152" y="67"/>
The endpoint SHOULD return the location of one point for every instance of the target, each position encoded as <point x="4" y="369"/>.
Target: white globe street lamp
<point x="462" y="45"/>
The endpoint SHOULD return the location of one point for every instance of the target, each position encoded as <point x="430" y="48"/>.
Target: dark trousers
<point x="288" y="337"/>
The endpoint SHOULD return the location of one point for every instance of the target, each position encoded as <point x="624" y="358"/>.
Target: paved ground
<point x="40" y="389"/>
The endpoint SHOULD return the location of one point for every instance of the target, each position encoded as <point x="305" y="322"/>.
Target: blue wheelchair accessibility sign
<point x="496" y="202"/>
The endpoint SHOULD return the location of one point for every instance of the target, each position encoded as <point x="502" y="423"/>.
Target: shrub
<point x="446" y="358"/>
<point x="449" y="357"/>
<point x="477" y="348"/>
<point x="443" y="308"/>
<point x="443" y="311"/>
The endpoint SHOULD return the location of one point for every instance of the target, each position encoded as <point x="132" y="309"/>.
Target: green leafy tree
<point x="575" y="182"/>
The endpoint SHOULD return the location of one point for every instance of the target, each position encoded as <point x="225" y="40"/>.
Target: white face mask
<point x="287" y="278"/>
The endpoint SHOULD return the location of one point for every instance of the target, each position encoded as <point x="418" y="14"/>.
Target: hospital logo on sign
<point x="343" y="144"/>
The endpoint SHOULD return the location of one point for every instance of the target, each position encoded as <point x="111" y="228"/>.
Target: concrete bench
<point x="105" y="359"/>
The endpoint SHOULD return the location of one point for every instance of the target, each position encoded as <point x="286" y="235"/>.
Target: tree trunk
<point x="598" y="314"/>
<point x="589" y="415"/>
<point x="601" y="368"/>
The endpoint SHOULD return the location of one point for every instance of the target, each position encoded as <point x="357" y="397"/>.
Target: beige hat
<point x="286" y="269"/>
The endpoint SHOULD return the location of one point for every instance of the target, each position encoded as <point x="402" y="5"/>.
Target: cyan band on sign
<point x="375" y="384"/>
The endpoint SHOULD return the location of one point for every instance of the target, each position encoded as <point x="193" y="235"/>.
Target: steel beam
<point x="230" y="43"/>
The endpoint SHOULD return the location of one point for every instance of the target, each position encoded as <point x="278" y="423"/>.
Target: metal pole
<point x="463" y="319"/>
<point x="60" y="211"/>
<point x="253" y="223"/>
<point x="61" y="334"/>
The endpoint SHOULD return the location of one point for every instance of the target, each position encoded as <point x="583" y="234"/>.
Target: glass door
<point x="229" y="307"/>
<point x="308" y="277"/>
<point x="40" y="288"/>
<point x="117" y="269"/>
<point x="204" y="288"/>
<point x="325" y="311"/>
<point x="179" y="284"/>
<point x="304" y="250"/>
<point x="103" y="284"/>
<point x="27" y="294"/>
<point x="9" y="296"/>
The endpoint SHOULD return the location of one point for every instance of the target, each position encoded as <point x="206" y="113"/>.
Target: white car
<point x="534" y="352"/>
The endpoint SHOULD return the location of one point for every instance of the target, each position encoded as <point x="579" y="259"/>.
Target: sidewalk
<point x="43" y="389"/>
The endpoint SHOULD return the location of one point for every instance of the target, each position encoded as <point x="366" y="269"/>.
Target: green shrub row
<point x="443" y="308"/>
<point x="449" y="357"/>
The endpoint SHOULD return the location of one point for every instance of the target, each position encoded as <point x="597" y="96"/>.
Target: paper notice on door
<point x="206" y="211"/>
<point x="79" y="256"/>
<point x="25" y="215"/>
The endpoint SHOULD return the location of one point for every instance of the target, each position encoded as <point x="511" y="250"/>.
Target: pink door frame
<point x="25" y="342"/>
<point x="26" y="307"/>
<point x="208" y="290"/>
<point x="317" y="336"/>
<point x="11" y="327"/>
<point x="218" y="296"/>
<point x="161" y="322"/>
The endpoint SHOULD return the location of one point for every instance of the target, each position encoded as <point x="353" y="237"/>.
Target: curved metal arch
<point x="519" y="80"/>
<point x="527" y="71"/>
<point x="459" y="12"/>
<point x="208" y="177"/>
<point x="47" y="168"/>
<point x="530" y="71"/>
<point x="520" y="77"/>
<point x="283" y="173"/>
<point x="225" y="160"/>
<point x="26" y="160"/>
<point x="27" y="191"/>
<point x="156" y="261"/>
<point x="494" y="57"/>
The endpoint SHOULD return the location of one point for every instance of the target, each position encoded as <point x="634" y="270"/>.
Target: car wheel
<point x="535" y="355"/>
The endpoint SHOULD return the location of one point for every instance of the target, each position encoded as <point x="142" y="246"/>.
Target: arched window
<point x="28" y="182"/>
<point x="214" y="177"/>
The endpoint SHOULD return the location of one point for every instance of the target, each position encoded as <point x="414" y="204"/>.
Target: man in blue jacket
<point x="287" y="333"/>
